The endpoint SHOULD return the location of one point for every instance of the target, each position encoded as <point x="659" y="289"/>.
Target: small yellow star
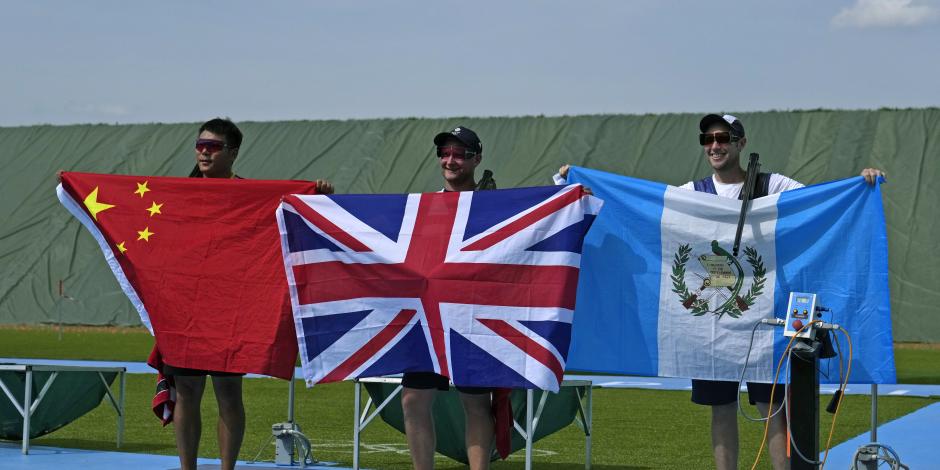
<point x="91" y="202"/>
<point x="142" y="188"/>
<point x="145" y="234"/>
<point x="120" y="247"/>
<point x="154" y="208"/>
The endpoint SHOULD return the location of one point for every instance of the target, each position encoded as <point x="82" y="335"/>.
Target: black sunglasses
<point x="210" y="145"/>
<point x="720" y="137"/>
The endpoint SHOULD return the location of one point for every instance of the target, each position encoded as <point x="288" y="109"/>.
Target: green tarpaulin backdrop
<point x="40" y="244"/>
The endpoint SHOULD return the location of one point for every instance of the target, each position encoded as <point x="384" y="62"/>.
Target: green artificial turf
<point x="917" y="363"/>
<point x="632" y="428"/>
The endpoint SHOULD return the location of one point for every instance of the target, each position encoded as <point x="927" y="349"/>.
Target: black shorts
<point x="719" y="392"/>
<point x="428" y="380"/>
<point x="170" y="370"/>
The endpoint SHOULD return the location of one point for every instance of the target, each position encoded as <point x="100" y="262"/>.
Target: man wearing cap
<point x="459" y="152"/>
<point x="723" y="139"/>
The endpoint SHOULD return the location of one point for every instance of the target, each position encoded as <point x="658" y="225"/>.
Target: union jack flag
<point x="476" y="286"/>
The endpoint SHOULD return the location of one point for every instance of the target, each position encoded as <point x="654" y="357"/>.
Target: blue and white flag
<point x="654" y="301"/>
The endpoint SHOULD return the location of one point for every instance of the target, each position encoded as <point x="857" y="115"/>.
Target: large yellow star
<point x="145" y="234"/>
<point x="91" y="202"/>
<point x="142" y="188"/>
<point x="154" y="208"/>
<point x="120" y="247"/>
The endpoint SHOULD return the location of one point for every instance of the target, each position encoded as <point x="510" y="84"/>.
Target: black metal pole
<point x="753" y="167"/>
<point x="804" y="405"/>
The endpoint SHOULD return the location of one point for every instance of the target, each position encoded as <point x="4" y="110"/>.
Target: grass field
<point x="632" y="428"/>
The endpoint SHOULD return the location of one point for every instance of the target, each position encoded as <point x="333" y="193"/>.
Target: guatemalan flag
<point x="476" y="286"/>
<point x="648" y="305"/>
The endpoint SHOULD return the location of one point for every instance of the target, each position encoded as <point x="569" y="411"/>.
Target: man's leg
<point x="231" y="427"/>
<point x="479" y="430"/>
<point x="187" y="421"/>
<point x="419" y="425"/>
<point x="776" y="436"/>
<point x="725" y="436"/>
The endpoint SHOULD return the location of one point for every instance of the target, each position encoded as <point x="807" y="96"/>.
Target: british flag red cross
<point x="477" y="286"/>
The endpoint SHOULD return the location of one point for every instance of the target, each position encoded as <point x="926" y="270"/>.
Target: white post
<point x="27" y="404"/>
<point x="529" y="396"/>
<point x="356" y="429"/>
<point x="120" y="432"/>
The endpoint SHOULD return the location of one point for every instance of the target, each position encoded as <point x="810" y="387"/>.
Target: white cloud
<point x="884" y="13"/>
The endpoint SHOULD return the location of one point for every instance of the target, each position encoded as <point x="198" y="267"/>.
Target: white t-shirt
<point x="778" y="184"/>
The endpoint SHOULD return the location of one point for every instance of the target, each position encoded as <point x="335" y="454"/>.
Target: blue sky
<point x="115" y="61"/>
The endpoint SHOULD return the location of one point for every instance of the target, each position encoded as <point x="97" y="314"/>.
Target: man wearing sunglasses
<point x="723" y="139"/>
<point x="216" y="148"/>
<point x="459" y="152"/>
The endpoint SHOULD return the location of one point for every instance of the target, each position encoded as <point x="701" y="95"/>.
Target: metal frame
<point x="362" y="417"/>
<point x="29" y="406"/>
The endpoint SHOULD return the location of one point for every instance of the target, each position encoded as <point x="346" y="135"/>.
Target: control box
<point x="801" y="310"/>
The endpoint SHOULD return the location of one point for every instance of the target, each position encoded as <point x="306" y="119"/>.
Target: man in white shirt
<point x="723" y="139"/>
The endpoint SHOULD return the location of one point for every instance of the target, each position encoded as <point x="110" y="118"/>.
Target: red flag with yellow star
<point x="200" y="259"/>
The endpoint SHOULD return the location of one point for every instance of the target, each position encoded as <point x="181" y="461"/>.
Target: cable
<point x="786" y="353"/>
<point x="747" y="357"/>
<point x="844" y="381"/>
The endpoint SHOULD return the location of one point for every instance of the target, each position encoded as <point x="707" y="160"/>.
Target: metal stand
<point x="803" y="412"/>
<point x="868" y="456"/>
<point x="288" y="438"/>
<point x="362" y="415"/>
<point x="28" y="407"/>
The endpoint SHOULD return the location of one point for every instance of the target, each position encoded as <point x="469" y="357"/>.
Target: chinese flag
<point x="201" y="261"/>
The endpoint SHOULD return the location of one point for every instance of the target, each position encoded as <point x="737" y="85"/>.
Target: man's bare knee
<point x="417" y="401"/>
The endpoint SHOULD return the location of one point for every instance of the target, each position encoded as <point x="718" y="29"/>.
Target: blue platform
<point x="913" y="436"/>
<point x="41" y="457"/>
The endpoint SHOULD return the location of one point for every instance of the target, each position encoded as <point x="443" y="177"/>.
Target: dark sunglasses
<point x="210" y="145"/>
<point x="455" y="152"/>
<point x="720" y="137"/>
